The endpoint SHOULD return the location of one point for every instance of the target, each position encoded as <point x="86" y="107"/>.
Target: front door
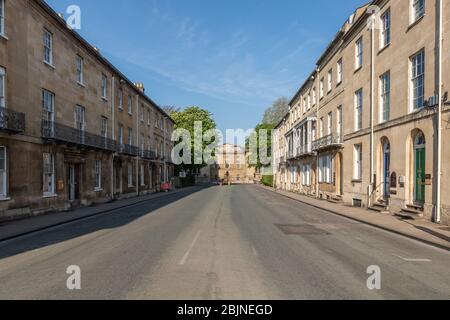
<point x="387" y="168"/>
<point x="72" y="182"/>
<point x="419" y="175"/>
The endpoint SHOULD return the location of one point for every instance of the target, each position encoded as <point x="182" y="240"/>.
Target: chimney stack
<point x="140" y="87"/>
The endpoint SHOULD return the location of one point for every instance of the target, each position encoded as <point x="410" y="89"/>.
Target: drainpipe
<point x="372" y="103"/>
<point x="317" y="127"/>
<point x="112" y="134"/>
<point x="137" y="141"/>
<point x="439" y="133"/>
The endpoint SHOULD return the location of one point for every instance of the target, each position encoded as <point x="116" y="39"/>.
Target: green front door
<point x="420" y="176"/>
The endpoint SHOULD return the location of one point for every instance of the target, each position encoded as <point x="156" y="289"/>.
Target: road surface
<point x="231" y="242"/>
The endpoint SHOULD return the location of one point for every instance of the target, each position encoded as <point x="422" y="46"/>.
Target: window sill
<point x="2" y="198"/>
<point x="415" y="23"/>
<point x="120" y="109"/>
<point x="104" y="99"/>
<point x="98" y="189"/>
<point x="338" y="84"/>
<point x="3" y="36"/>
<point x="81" y="84"/>
<point x="383" y="48"/>
<point x="358" y="68"/>
<point x="49" y="65"/>
<point x="50" y="195"/>
<point x="356" y="180"/>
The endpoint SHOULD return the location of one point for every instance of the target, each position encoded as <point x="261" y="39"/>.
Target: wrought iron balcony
<point x="305" y="150"/>
<point x="148" y="154"/>
<point x="65" y="134"/>
<point x="12" y="121"/>
<point x="127" y="149"/>
<point x="328" y="142"/>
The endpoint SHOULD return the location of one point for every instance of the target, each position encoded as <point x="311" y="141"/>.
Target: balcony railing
<point x="127" y="149"/>
<point x="304" y="150"/>
<point x="148" y="154"/>
<point x="12" y="121"/>
<point x="62" y="133"/>
<point x="328" y="142"/>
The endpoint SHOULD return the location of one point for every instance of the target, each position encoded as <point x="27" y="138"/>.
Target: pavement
<point x="231" y="242"/>
<point x="427" y="232"/>
<point x="10" y="229"/>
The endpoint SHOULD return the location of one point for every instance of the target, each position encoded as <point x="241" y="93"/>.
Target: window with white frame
<point x="120" y="138"/>
<point x="80" y="118"/>
<point x="2" y="17"/>
<point x="142" y="144"/>
<point x="330" y="80"/>
<point x="385" y="97"/>
<point x="418" y="10"/>
<point x="104" y="85"/>
<point x="329" y="123"/>
<point x="306" y="175"/>
<point x="98" y="174"/>
<point x="339" y="71"/>
<point x="305" y="104"/>
<point x="2" y="87"/>
<point x="321" y="88"/>
<point x="48" y="47"/>
<point x="321" y="128"/>
<point x="48" y="174"/>
<point x="385" y="29"/>
<point x="358" y="109"/>
<point x="104" y="127"/>
<point x="130" y="105"/>
<point x="80" y="69"/>
<point x="325" y="170"/>
<point x="359" y="53"/>
<point x="293" y="175"/>
<point x="309" y="101"/>
<point x="130" y="136"/>
<point x="149" y="117"/>
<point x="130" y="175"/>
<point x="3" y="172"/>
<point x="142" y="114"/>
<point x="120" y="99"/>
<point x="357" y="164"/>
<point x="314" y="96"/>
<point x="418" y="80"/>
<point x="48" y="111"/>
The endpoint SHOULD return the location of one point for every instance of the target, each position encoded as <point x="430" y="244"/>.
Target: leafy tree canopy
<point x="276" y="112"/>
<point x="185" y="119"/>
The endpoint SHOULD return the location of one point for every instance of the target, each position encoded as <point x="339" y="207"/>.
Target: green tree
<point x="255" y="136"/>
<point x="276" y="112"/>
<point x="185" y="119"/>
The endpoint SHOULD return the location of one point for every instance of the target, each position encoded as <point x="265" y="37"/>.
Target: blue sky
<point x="232" y="57"/>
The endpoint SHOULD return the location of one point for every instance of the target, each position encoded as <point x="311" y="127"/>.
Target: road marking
<point x="412" y="259"/>
<point x="186" y="256"/>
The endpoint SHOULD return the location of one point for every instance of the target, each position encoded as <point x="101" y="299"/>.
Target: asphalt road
<point x="239" y="242"/>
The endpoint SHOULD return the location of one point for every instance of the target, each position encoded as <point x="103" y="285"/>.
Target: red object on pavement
<point x="165" y="186"/>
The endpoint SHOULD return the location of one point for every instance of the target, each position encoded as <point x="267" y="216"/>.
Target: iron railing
<point x="329" y="141"/>
<point x="148" y="154"/>
<point x="304" y="149"/>
<point x="12" y="121"/>
<point x="127" y="149"/>
<point x="59" y="132"/>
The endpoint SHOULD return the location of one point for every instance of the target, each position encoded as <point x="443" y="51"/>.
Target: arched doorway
<point x="419" y="168"/>
<point x="386" y="169"/>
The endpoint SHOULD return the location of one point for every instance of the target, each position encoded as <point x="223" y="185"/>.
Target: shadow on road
<point x="110" y="220"/>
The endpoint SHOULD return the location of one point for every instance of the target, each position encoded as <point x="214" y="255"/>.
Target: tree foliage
<point x="185" y="119"/>
<point x="255" y="136"/>
<point x="276" y="112"/>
